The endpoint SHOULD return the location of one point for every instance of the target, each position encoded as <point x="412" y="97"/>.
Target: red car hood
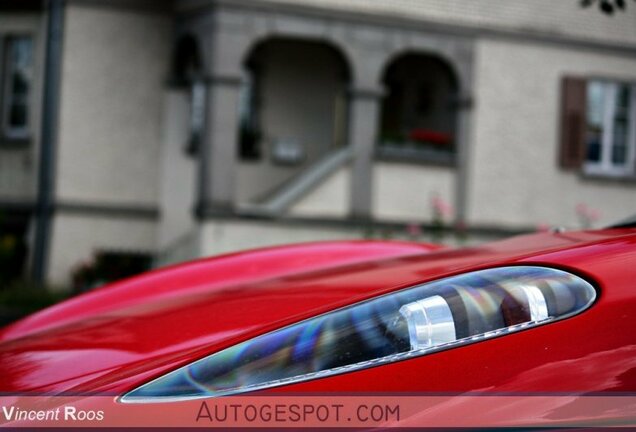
<point x="119" y="336"/>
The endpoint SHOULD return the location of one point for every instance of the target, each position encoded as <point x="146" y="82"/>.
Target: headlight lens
<point x="408" y="323"/>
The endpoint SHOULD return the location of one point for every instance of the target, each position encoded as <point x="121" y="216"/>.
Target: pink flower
<point x="441" y="207"/>
<point x="587" y="215"/>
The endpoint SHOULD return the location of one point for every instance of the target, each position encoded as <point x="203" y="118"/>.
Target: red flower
<point x="430" y="136"/>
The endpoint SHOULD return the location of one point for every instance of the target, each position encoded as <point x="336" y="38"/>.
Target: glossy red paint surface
<point x="118" y="337"/>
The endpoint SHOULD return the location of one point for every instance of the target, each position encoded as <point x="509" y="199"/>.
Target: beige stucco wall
<point x="555" y="17"/>
<point x="329" y="199"/>
<point x="115" y="63"/>
<point x="76" y="238"/>
<point x="178" y="172"/>
<point x="514" y="173"/>
<point x="403" y="192"/>
<point x="227" y="236"/>
<point x="114" y="67"/>
<point x="18" y="163"/>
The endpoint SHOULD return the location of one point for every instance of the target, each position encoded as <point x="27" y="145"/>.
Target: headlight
<point x="409" y="323"/>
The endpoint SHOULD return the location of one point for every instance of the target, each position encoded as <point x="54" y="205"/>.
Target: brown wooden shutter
<point x="573" y="122"/>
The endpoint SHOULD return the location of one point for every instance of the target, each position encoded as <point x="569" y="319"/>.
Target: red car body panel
<point x="118" y="337"/>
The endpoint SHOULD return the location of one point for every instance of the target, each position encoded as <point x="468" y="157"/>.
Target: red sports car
<point x="551" y="314"/>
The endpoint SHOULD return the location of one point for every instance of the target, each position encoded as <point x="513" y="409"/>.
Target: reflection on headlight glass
<point x="400" y="325"/>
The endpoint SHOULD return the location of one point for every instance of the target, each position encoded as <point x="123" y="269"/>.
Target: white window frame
<point x="605" y="167"/>
<point x="7" y="131"/>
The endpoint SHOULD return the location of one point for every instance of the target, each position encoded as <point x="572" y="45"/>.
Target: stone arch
<point x="337" y="48"/>
<point x="443" y="59"/>
<point x="455" y="62"/>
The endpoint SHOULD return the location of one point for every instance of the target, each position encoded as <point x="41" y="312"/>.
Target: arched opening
<point x="419" y="111"/>
<point x="293" y="110"/>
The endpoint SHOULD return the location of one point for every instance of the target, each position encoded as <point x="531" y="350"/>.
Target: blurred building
<point x="191" y="127"/>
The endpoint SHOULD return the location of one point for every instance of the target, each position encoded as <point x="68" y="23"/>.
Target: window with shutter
<point x="598" y="127"/>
